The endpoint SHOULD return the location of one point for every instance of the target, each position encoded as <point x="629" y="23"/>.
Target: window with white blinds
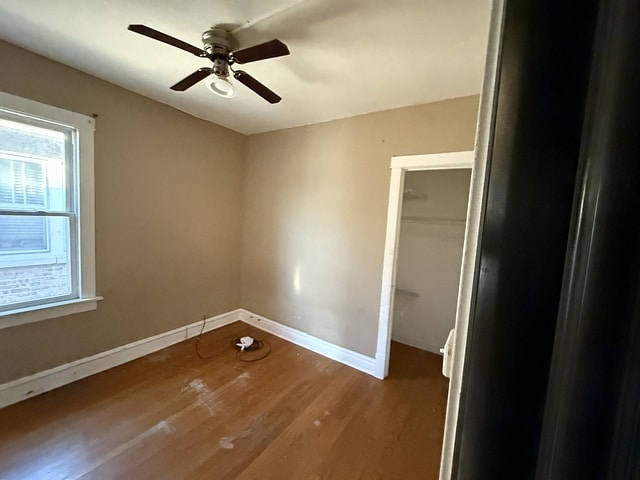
<point x="22" y="186"/>
<point x="46" y="246"/>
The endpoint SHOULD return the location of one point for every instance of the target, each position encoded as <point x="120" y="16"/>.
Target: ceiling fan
<point x="221" y="48"/>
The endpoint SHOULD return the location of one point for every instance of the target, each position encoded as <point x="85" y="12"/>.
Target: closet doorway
<point x="428" y="204"/>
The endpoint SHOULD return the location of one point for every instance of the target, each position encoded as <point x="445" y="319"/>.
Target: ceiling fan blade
<point x="191" y="80"/>
<point x="168" y="39"/>
<point x="271" y="49"/>
<point x="256" y="86"/>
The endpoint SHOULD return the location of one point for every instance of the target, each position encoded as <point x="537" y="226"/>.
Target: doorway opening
<point x="393" y="293"/>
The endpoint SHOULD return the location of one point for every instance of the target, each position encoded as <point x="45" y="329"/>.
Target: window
<point x="47" y="265"/>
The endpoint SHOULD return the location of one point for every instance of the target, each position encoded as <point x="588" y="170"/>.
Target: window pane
<point x="22" y="234"/>
<point x="33" y="184"/>
<point x="30" y="278"/>
<point x="35" y="165"/>
<point x="22" y="184"/>
<point x="29" y="140"/>
<point x="6" y="182"/>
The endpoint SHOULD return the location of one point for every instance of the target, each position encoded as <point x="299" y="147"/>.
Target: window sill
<point x="21" y="316"/>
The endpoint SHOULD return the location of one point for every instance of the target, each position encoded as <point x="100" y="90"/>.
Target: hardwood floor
<point x="292" y="415"/>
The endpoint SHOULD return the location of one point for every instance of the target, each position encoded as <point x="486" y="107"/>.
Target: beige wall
<point x="315" y="205"/>
<point x="168" y="210"/>
<point x="430" y="256"/>
<point x="170" y="216"/>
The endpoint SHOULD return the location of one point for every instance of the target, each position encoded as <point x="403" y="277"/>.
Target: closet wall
<point x="434" y="211"/>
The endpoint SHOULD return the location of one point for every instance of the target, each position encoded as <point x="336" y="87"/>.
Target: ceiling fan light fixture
<point x="221" y="48"/>
<point x="220" y="86"/>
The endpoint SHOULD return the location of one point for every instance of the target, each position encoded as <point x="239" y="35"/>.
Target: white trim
<point x="488" y="101"/>
<point x="32" y="385"/>
<point x="20" y="316"/>
<point x="400" y="165"/>
<point x="381" y="369"/>
<point x="434" y="161"/>
<point x="26" y="387"/>
<point x="86" y="208"/>
<point x="334" y="352"/>
<point x="55" y="114"/>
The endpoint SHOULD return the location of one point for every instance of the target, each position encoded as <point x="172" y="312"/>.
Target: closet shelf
<point x="406" y="293"/>
<point x="451" y="222"/>
<point x="411" y="194"/>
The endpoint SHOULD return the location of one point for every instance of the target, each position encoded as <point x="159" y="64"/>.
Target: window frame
<point x="85" y="197"/>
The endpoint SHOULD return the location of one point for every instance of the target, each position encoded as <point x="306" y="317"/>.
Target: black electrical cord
<point x="245" y="355"/>
<point x="208" y="357"/>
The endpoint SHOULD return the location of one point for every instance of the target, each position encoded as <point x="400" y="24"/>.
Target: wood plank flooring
<point x="292" y="415"/>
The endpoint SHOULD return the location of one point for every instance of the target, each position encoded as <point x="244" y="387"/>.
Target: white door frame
<point x="399" y="166"/>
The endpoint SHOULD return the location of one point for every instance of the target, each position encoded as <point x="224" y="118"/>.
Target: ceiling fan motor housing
<point x="219" y="43"/>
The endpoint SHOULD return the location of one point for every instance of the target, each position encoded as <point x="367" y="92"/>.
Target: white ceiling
<point x="348" y="57"/>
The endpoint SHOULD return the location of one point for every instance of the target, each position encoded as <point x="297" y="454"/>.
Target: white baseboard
<point x="32" y="385"/>
<point x="339" y="354"/>
<point x="26" y="387"/>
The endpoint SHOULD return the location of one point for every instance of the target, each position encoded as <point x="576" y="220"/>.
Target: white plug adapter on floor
<point x="244" y="343"/>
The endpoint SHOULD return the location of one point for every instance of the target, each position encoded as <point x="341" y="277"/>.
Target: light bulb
<point x="220" y="86"/>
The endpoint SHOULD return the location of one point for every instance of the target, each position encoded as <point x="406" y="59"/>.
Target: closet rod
<point x="453" y="222"/>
